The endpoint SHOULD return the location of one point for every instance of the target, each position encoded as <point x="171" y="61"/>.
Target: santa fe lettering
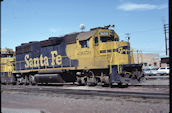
<point x="43" y="61"/>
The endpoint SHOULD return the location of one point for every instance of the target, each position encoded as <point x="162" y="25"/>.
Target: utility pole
<point x="165" y="32"/>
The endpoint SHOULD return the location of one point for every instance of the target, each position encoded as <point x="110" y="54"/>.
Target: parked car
<point x="163" y="70"/>
<point x="153" y="71"/>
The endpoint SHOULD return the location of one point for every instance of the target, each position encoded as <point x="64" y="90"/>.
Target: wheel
<point x="14" y="80"/>
<point x="121" y="85"/>
<point x="105" y="85"/>
<point x="105" y="81"/>
<point x="91" y="81"/>
<point x="32" y="80"/>
<point x="81" y="81"/>
<point x="26" y="82"/>
<point x="111" y="85"/>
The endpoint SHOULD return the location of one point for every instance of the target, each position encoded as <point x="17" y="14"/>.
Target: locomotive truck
<point x="87" y="58"/>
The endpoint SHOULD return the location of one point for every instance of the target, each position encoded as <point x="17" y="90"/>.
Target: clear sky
<point x="35" y="20"/>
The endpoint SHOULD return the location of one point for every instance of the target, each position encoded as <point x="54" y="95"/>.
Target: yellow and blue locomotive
<point x="7" y="63"/>
<point x="92" y="57"/>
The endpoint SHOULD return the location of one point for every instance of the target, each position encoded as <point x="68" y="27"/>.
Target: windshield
<point x="106" y="39"/>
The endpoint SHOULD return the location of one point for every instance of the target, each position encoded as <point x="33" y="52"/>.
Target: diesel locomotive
<point x="86" y="58"/>
<point x="7" y="64"/>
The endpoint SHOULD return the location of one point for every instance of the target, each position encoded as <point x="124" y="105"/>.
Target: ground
<point x="30" y="103"/>
<point x="23" y="102"/>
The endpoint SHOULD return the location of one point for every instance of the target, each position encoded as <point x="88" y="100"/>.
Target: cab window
<point x="96" y="40"/>
<point x="116" y="39"/>
<point x="84" y="44"/>
<point x="106" y="39"/>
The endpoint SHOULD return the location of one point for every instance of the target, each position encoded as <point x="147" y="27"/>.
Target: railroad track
<point x="156" y="77"/>
<point x="108" y="93"/>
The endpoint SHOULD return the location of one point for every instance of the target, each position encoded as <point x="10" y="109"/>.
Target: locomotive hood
<point x="85" y="35"/>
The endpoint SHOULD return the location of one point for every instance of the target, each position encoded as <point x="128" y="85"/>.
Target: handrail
<point x="111" y="59"/>
<point x="137" y="55"/>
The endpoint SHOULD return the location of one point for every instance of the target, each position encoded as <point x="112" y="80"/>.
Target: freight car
<point x="88" y="58"/>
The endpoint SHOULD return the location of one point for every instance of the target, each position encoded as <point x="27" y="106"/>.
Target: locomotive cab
<point x="118" y="56"/>
<point x="117" y="52"/>
<point x="101" y="48"/>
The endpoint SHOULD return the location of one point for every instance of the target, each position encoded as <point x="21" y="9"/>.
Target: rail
<point x="108" y="93"/>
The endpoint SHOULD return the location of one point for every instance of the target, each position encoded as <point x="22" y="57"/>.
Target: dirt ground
<point x="40" y="103"/>
<point x="20" y="102"/>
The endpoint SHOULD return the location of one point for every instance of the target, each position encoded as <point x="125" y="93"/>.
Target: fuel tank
<point x="48" y="78"/>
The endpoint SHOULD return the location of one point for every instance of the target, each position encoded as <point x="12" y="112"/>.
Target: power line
<point x="147" y="30"/>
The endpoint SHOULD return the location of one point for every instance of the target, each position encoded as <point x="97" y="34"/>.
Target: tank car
<point x="87" y="58"/>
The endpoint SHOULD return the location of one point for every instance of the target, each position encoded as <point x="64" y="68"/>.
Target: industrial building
<point x="149" y="60"/>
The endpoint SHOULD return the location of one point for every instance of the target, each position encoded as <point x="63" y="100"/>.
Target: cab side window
<point x="116" y="39"/>
<point x="84" y="44"/>
<point x="96" y="40"/>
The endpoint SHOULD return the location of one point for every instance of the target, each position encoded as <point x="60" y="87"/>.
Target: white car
<point x="154" y="71"/>
<point x="163" y="70"/>
<point x="150" y="71"/>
